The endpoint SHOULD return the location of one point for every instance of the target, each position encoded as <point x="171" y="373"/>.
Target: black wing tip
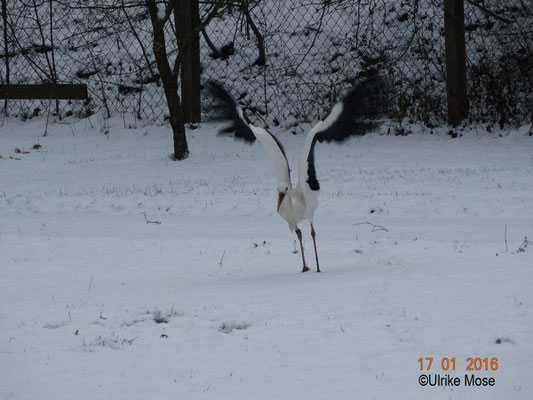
<point x="224" y="102"/>
<point x="231" y="131"/>
<point x="312" y="181"/>
<point x="370" y="97"/>
<point x="313" y="184"/>
<point x="217" y="88"/>
<point x="226" y="130"/>
<point x="363" y="106"/>
<point x="226" y="108"/>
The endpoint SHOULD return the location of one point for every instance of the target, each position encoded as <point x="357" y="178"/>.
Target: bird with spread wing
<point x="356" y="114"/>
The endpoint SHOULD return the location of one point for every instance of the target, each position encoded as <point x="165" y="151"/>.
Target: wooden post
<point x="6" y="49"/>
<point x="187" y="18"/>
<point x="454" y="36"/>
<point x="47" y="91"/>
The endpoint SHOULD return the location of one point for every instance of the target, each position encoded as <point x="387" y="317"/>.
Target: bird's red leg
<point x="299" y="234"/>
<point x="314" y="243"/>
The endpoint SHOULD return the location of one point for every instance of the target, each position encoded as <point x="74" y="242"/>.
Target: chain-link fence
<point x="499" y="48"/>
<point x="314" y="50"/>
<point x="106" y="46"/>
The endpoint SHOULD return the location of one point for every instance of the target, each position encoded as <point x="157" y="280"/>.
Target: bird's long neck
<point x="286" y="210"/>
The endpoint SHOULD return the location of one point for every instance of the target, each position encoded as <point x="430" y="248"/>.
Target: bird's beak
<point x="280" y="199"/>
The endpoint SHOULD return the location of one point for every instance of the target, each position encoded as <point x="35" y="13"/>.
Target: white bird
<point x="354" y="115"/>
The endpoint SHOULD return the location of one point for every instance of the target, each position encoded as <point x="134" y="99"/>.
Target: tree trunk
<point x="187" y="18"/>
<point x="170" y="83"/>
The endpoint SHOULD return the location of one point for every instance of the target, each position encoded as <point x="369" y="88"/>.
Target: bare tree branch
<point x="52" y="75"/>
<point x="261" y="59"/>
<point x="136" y="35"/>
<point x="490" y="12"/>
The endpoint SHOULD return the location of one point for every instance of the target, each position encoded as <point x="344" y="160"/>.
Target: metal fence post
<point x="454" y="37"/>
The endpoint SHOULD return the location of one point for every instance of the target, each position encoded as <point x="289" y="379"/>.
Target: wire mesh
<point x="314" y="51"/>
<point x="317" y="50"/>
<point x="499" y="48"/>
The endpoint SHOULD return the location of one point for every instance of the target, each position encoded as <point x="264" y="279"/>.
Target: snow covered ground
<point x="126" y="275"/>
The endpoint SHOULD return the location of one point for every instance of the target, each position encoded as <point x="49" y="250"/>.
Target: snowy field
<point x="126" y="275"/>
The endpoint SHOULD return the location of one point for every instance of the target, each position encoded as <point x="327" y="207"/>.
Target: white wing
<point x="306" y="166"/>
<point x="242" y="129"/>
<point x="275" y="152"/>
<point x="354" y="115"/>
